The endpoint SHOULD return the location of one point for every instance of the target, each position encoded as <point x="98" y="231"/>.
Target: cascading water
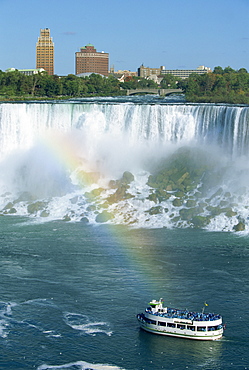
<point x="149" y="165"/>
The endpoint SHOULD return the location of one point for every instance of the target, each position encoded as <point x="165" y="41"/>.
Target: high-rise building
<point x="88" y="60"/>
<point x="45" y="51"/>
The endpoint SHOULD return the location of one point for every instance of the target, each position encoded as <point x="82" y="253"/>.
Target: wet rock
<point x="162" y="195"/>
<point x="44" y="214"/>
<point x="152" y="197"/>
<point x="214" y="211"/>
<point x="191" y="203"/>
<point x="91" y="208"/>
<point x="230" y="213"/>
<point x="120" y="194"/>
<point x="155" y="210"/>
<point x="183" y="172"/>
<point x="200" y="222"/>
<point x="239" y="227"/>
<point x="84" y="220"/>
<point x="159" y="195"/>
<point x="97" y="192"/>
<point x="179" y="194"/>
<point x="183" y="177"/>
<point x="66" y="218"/>
<point x="35" y="207"/>
<point x="127" y="177"/>
<point x="8" y="206"/>
<point x="112" y="184"/>
<point x="177" y="202"/>
<point x="12" y="210"/>
<point x="105" y="204"/>
<point x="218" y="193"/>
<point x="104" y="217"/>
<point x="224" y="203"/>
<point x="187" y="213"/>
<point x="74" y="200"/>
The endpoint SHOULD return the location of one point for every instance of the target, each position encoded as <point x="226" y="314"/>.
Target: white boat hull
<point x="182" y="333"/>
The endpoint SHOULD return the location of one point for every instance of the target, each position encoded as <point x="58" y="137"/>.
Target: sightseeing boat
<point x="180" y="323"/>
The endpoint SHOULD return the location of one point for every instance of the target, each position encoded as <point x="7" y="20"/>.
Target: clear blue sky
<point x="179" y="34"/>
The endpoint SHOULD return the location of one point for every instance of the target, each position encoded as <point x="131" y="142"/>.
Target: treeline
<point x="15" y="84"/>
<point x="221" y="86"/>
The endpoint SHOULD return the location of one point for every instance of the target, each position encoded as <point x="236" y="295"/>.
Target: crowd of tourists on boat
<point x="184" y="314"/>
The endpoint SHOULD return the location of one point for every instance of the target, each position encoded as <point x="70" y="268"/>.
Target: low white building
<point x="27" y="72"/>
<point x="185" y="73"/>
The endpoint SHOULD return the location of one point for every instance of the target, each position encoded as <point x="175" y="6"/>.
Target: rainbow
<point x="134" y="247"/>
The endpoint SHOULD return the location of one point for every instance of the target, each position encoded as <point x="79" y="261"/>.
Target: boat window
<point x="180" y="326"/>
<point x="161" y="323"/>
<point x="191" y="327"/>
<point x="152" y="322"/>
<point x="201" y="328"/>
<point x="149" y="321"/>
<point x="170" y="325"/>
<point x="212" y="328"/>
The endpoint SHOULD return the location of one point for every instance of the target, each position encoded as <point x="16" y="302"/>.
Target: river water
<point x="70" y="294"/>
<point x="71" y="286"/>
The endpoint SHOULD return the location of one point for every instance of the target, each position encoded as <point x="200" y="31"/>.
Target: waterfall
<point x="58" y="151"/>
<point x="225" y="126"/>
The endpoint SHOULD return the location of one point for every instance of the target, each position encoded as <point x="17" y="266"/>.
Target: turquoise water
<point x="70" y="292"/>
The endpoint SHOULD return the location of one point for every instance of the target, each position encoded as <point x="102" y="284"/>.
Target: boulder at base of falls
<point x="120" y="194"/>
<point x="35" y="207"/>
<point x="66" y="218"/>
<point x="8" y="205"/>
<point x="9" y="209"/>
<point x="84" y="220"/>
<point x="126" y="179"/>
<point x="44" y="214"/>
<point x="177" y="202"/>
<point x="12" y="210"/>
<point x="239" y="227"/>
<point x="104" y="217"/>
<point x="200" y="221"/>
<point x="155" y="210"/>
<point x="159" y="196"/>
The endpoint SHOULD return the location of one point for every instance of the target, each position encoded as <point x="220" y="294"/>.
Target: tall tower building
<point x="88" y="60"/>
<point x="45" y="51"/>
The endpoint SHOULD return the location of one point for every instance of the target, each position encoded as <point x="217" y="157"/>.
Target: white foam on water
<point x="85" y="326"/>
<point x="81" y="365"/>
<point x="4" y="328"/>
<point x="5" y="318"/>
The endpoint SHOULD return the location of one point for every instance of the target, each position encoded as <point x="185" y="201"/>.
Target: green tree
<point x="229" y="70"/>
<point x="218" y="70"/>
<point x="242" y="70"/>
<point x="169" y="81"/>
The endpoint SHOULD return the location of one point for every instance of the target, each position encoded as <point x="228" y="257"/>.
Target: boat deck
<point x="184" y="315"/>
